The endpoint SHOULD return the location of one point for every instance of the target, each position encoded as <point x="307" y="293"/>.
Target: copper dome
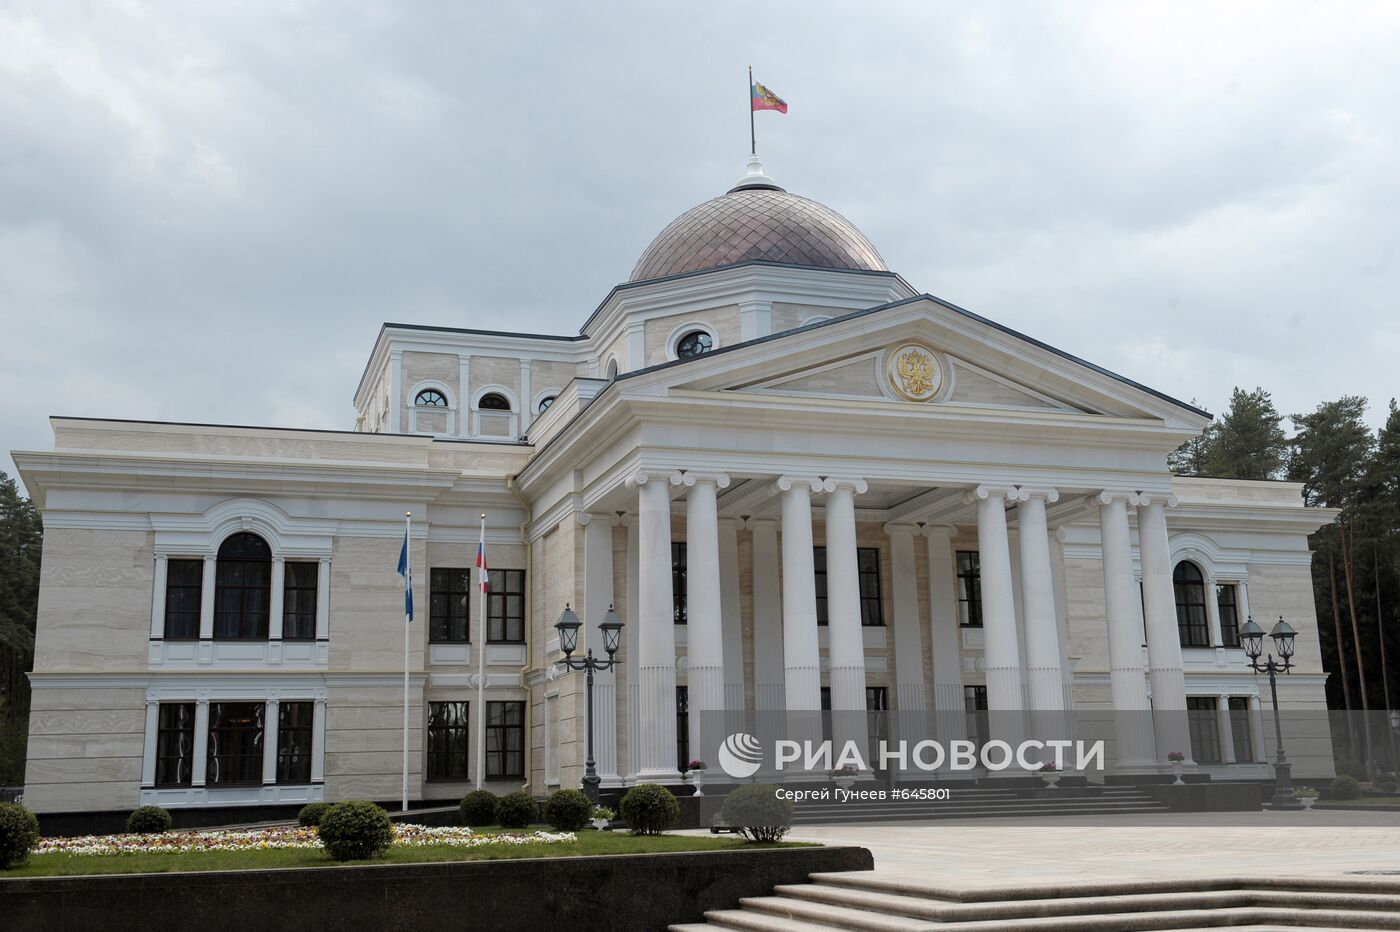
<point x="757" y="220"/>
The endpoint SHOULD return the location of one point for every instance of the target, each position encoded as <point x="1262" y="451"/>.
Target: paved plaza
<point x="998" y="852"/>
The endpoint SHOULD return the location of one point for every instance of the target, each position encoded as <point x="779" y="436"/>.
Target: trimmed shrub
<point x="517" y="810"/>
<point x="1344" y="787"/>
<point x="568" y="810"/>
<point x="1388" y="785"/>
<point x="310" y="814"/>
<point x="19" y="830"/>
<point x="650" y="809"/>
<point x="479" y="808"/>
<point x="355" y="829"/>
<point x="148" y="820"/>
<point x="757" y="813"/>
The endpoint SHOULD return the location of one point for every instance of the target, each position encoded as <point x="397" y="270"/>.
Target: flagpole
<point x="753" y="143"/>
<point x="481" y="658"/>
<point x="408" y="581"/>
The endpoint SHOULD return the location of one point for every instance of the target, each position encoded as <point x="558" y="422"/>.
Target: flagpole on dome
<point x="482" y="579"/>
<point x="753" y="140"/>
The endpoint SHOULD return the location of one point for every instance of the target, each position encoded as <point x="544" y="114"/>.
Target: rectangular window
<point x="505" y="607"/>
<point x="294" y="726"/>
<point x="682" y="729"/>
<point x="184" y="579"/>
<point x="678" y="562"/>
<point x="299" y="600"/>
<point x="969" y="589"/>
<point x="877" y="699"/>
<point x="1227" y="597"/>
<point x="1202" y="718"/>
<point x="868" y="569"/>
<point x="235" y="743"/>
<point x="505" y="739"/>
<point x="175" y="744"/>
<point x="1239" y="729"/>
<point x="975" y="707"/>
<point x="449" y="598"/>
<point x="447" y="740"/>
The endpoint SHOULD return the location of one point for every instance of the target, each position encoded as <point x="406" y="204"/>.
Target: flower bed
<point x="411" y="836"/>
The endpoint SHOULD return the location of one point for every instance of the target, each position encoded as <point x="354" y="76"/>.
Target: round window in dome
<point x="694" y="343"/>
<point x="432" y="398"/>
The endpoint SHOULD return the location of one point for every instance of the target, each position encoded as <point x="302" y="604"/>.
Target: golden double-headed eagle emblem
<point x="914" y="372"/>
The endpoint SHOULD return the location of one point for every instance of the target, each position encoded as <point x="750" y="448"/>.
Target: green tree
<point x="1190" y="458"/>
<point x="1249" y="442"/>
<point x="21" y="545"/>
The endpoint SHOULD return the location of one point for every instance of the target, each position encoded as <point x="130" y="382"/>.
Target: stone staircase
<point x="984" y="802"/>
<point x="865" y="901"/>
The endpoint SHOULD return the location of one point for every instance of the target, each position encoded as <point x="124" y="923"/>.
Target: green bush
<point x="479" y="808"/>
<point x="650" y="809"/>
<point x="355" y="829"/>
<point x="517" y="810"/>
<point x="19" y="830"/>
<point x="148" y="820"/>
<point x="568" y="810"/>
<point x="757" y="813"/>
<point x="1344" y="787"/>
<point x="1387" y="785"/>
<point x="310" y="814"/>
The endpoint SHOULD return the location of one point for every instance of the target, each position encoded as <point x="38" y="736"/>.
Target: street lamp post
<point x="1252" y="640"/>
<point x="568" y="626"/>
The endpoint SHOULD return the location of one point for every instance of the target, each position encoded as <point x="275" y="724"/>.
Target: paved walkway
<point x="997" y="852"/>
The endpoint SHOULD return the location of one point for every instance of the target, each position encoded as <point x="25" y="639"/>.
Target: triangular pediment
<point x="920" y="352"/>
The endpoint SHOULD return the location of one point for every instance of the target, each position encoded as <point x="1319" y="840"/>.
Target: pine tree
<point x="21" y="545"/>
<point x="1249" y="442"/>
<point x="1190" y="458"/>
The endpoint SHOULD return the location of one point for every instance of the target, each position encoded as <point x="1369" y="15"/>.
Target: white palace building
<point x="803" y="485"/>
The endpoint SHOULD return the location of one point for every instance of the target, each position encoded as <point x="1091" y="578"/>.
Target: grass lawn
<point x="589" y="842"/>
<point x="1363" y="801"/>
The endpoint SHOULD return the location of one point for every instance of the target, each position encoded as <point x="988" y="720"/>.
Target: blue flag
<point x="406" y="572"/>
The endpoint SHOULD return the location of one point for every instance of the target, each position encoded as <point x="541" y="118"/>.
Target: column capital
<point x="605" y="518"/>
<point x="1025" y="493"/>
<point x="858" y="486"/>
<point x="947" y="531"/>
<point x="1157" y="498"/>
<point x="810" y="483"/>
<point x="901" y="527"/>
<point x="642" y="475"/>
<point x="1109" y="496"/>
<point x="984" y="492"/>
<point x="718" y="479"/>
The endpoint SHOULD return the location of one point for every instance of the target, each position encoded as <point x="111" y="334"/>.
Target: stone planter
<point x="1307" y="802"/>
<point x="697" y="780"/>
<point x="845" y="782"/>
<point x="600" y="824"/>
<point x="1176" y="772"/>
<point x="1050" y="779"/>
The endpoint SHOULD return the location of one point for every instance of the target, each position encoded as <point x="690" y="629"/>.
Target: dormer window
<point x="431" y="398"/>
<point x="694" y="343"/>
<point x="493" y="401"/>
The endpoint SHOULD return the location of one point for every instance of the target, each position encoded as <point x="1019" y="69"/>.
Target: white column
<point x="1242" y="610"/>
<point x="1131" y="718"/>
<point x="656" y="637"/>
<point x="945" y="634"/>
<point x="323" y="599"/>
<point x="1256" y="730"/>
<point x="755" y="319"/>
<point x="206" y="598"/>
<point x="731" y="621"/>
<point x="801" y="653"/>
<point x="597" y="599"/>
<point x="632" y="651"/>
<point x="1001" y="640"/>
<point x="318" y="742"/>
<point x="845" y="639"/>
<point x="768" y="689"/>
<point x="201" y="743"/>
<point x="1163" y="636"/>
<point x="1227" y="729"/>
<point x="270" y="726"/>
<point x="704" y="612"/>
<point x="1217" y="636"/>
<point x="395" y="391"/>
<point x="148" y="749"/>
<point x="276" y="598"/>
<point x="1043" y="649"/>
<point x="158" y="597"/>
<point x="910" y="702"/>
<point x="464" y="396"/>
<point x="527" y="404"/>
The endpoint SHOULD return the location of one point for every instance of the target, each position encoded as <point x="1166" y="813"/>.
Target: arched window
<point x="432" y="398"/>
<point x="612" y="369"/>
<point x="1191" y="621"/>
<point x="694" y="343"/>
<point x="494" y="401"/>
<point x="243" y="587"/>
<point x="545" y="402"/>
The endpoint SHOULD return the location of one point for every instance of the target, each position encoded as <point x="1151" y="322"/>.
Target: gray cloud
<point x="205" y="213"/>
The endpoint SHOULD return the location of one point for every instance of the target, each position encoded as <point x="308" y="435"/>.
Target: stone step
<point x="868" y="880"/>
<point x="749" y="921"/>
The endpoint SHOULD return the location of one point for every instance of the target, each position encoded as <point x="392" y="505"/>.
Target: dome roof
<point x="756" y="219"/>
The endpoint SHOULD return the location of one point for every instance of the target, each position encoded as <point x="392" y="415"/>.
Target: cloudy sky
<point x="207" y="210"/>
